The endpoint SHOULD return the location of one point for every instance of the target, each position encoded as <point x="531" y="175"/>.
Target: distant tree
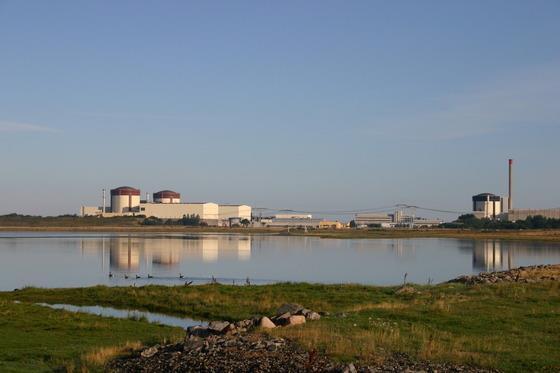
<point x="190" y="220"/>
<point x="353" y="224"/>
<point x="152" y="220"/>
<point x="245" y="222"/>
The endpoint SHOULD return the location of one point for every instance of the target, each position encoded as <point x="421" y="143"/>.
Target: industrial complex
<point x="166" y="204"/>
<point x="491" y="206"/>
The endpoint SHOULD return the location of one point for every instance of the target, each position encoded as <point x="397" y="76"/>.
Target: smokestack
<point x="103" y="211"/>
<point x="509" y="192"/>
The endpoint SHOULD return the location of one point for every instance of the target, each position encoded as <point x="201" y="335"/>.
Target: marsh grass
<point x="511" y="327"/>
<point x="98" y="357"/>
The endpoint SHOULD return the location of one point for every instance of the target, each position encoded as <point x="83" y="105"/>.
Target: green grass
<point x="512" y="327"/>
<point x="36" y="339"/>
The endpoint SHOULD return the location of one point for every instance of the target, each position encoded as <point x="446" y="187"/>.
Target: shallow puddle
<point x="157" y="318"/>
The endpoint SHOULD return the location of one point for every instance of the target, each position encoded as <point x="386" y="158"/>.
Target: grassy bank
<point x="38" y="339"/>
<point x="512" y="327"/>
<point x="530" y="234"/>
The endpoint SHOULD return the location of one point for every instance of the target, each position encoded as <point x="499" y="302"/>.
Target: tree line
<point x="187" y="220"/>
<point x="532" y="222"/>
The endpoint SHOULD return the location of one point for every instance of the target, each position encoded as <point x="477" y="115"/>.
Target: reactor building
<point x="490" y="206"/>
<point x="165" y="204"/>
<point x="487" y="205"/>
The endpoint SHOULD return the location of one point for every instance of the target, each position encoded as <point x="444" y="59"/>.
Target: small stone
<point x="406" y="290"/>
<point x="283" y="319"/>
<point x="292" y="308"/>
<point x="149" y="352"/>
<point x="218" y="326"/>
<point x="199" y="331"/>
<point x="296" y="320"/>
<point x="312" y="316"/>
<point x="304" y="312"/>
<point x="350" y="368"/>
<point x="266" y="323"/>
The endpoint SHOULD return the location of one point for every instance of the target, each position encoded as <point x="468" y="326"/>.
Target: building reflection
<point x="403" y="248"/>
<point x="140" y="254"/>
<point x="492" y="255"/>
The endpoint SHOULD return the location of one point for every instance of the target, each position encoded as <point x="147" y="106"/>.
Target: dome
<point x="125" y="191"/>
<point x="166" y="194"/>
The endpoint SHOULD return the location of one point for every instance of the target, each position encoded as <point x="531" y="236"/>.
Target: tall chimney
<point x="510" y="176"/>
<point x="103" y="211"/>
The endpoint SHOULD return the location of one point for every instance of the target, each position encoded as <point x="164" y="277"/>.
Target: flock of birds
<point x="213" y="280"/>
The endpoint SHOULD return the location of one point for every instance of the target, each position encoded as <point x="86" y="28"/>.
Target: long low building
<point x="166" y="204"/>
<point x="393" y="220"/>
<point x="522" y="214"/>
<point x="292" y="222"/>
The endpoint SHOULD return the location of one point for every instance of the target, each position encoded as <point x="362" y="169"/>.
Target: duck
<point x="187" y="283"/>
<point x="110" y="274"/>
<point x="138" y="276"/>
<point x="150" y="276"/>
<point x="181" y="275"/>
<point x="126" y="276"/>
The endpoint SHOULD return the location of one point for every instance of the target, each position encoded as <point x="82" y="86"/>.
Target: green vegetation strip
<point x="512" y="327"/>
<point x="37" y="339"/>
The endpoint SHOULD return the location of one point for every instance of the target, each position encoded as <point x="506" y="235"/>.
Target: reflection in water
<point x="136" y="254"/>
<point x="78" y="259"/>
<point x="125" y="253"/>
<point x="403" y="247"/>
<point x="489" y="256"/>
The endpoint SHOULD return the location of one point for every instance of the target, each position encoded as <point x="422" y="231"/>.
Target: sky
<point x="315" y="105"/>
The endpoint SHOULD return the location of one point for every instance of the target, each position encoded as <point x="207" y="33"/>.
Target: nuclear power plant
<point x="165" y="204"/>
<point x="491" y="206"/>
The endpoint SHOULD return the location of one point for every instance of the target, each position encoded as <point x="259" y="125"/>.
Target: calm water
<point x="77" y="259"/>
<point x="127" y="314"/>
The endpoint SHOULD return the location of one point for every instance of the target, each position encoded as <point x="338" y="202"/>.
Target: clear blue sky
<point x="314" y="105"/>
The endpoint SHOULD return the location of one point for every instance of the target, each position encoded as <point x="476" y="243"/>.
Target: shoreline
<point x="522" y="235"/>
<point x="375" y="328"/>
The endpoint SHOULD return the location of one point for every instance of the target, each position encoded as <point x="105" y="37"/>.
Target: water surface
<point x="78" y="259"/>
<point x="156" y="318"/>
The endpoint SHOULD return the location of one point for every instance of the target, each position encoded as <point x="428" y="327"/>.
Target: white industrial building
<point x="487" y="205"/>
<point x="227" y="212"/>
<point x="366" y="219"/>
<point x="398" y="219"/>
<point x="166" y="204"/>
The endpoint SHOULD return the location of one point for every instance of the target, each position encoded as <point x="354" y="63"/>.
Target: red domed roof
<point x="166" y="194"/>
<point x="125" y="191"/>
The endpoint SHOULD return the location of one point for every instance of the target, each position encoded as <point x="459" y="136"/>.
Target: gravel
<point x="258" y="353"/>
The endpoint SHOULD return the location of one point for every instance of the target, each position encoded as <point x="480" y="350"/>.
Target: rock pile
<point x="259" y="353"/>
<point x="288" y="314"/>
<point x="226" y="353"/>
<point x="522" y="274"/>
